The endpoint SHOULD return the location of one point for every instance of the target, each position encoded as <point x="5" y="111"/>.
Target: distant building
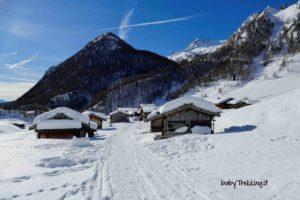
<point x="63" y="123"/>
<point x="231" y="103"/>
<point x="183" y="112"/>
<point x="119" y="116"/>
<point x="223" y="104"/>
<point x="130" y="111"/>
<point x="146" y="109"/>
<point x="96" y="117"/>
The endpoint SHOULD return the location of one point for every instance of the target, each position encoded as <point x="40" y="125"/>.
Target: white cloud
<point x="12" y="91"/>
<point x="124" y="28"/>
<point x="22" y="62"/>
<point x="8" y="54"/>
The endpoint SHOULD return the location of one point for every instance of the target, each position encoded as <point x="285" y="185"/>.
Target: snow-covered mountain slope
<point x="280" y="76"/>
<point x="197" y="47"/>
<point x="263" y="38"/>
<point x="289" y="14"/>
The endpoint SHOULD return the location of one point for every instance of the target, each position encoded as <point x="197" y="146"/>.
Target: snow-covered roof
<point x="237" y="101"/>
<point x="129" y="111"/>
<point x="148" y="108"/>
<point x="226" y="100"/>
<point x="118" y="111"/>
<point x="73" y="114"/>
<point x="174" y="104"/>
<point x="93" y="125"/>
<point x="98" y="114"/>
<point x="57" y="124"/>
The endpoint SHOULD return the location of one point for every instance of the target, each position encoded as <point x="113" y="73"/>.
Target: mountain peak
<point x="107" y="36"/>
<point x="108" y="41"/>
<point x="197" y="47"/>
<point x="269" y="10"/>
<point x="202" y="43"/>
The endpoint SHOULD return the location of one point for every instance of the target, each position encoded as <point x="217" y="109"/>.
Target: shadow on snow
<point x="239" y="129"/>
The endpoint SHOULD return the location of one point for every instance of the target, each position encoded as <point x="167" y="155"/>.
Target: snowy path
<point x="133" y="172"/>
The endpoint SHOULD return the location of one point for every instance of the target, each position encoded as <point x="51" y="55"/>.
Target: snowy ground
<point x="258" y="142"/>
<point x="123" y="161"/>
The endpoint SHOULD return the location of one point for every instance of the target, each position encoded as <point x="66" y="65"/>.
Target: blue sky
<point x="37" y="34"/>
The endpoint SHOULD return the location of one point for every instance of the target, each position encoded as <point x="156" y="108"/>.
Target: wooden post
<point x="189" y="122"/>
<point x="167" y="124"/>
<point x="212" y="125"/>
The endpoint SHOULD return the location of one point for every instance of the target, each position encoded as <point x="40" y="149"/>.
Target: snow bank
<point x="59" y="124"/>
<point x="203" y="130"/>
<point x="182" y="129"/>
<point x="7" y="127"/>
<point x="67" y="111"/>
<point x="80" y="142"/>
<point x="188" y="143"/>
<point x="197" y="102"/>
<point x="55" y="162"/>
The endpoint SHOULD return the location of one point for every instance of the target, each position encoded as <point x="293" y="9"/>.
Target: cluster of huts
<point x="123" y="114"/>
<point x="64" y="122"/>
<point x="182" y="115"/>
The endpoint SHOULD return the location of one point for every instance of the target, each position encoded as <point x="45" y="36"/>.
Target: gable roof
<point x="226" y="100"/>
<point x="129" y="111"/>
<point x="118" y="111"/>
<point x="97" y="114"/>
<point x="238" y="101"/>
<point x="73" y="114"/>
<point x="148" y="108"/>
<point x="183" y="102"/>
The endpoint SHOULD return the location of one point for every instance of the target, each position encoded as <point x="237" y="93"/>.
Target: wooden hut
<point x="223" y="104"/>
<point x="231" y="103"/>
<point x="96" y="117"/>
<point x="183" y="112"/>
<point x="63" y="123"/>
<point x="238" y="103"/>
<point x="146" y="109"/>
<point x="119" y="116"/>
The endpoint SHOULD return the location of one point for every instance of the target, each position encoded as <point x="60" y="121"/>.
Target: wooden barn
<point x="146" y="109"/>
<point x="119" y="116"/>
<point x="183" y="112"/>
<point x="63" y="123"/>
<point x="96" y="117"/>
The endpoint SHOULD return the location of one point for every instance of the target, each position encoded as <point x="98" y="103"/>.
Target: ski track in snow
<point x="132" y="172"/>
